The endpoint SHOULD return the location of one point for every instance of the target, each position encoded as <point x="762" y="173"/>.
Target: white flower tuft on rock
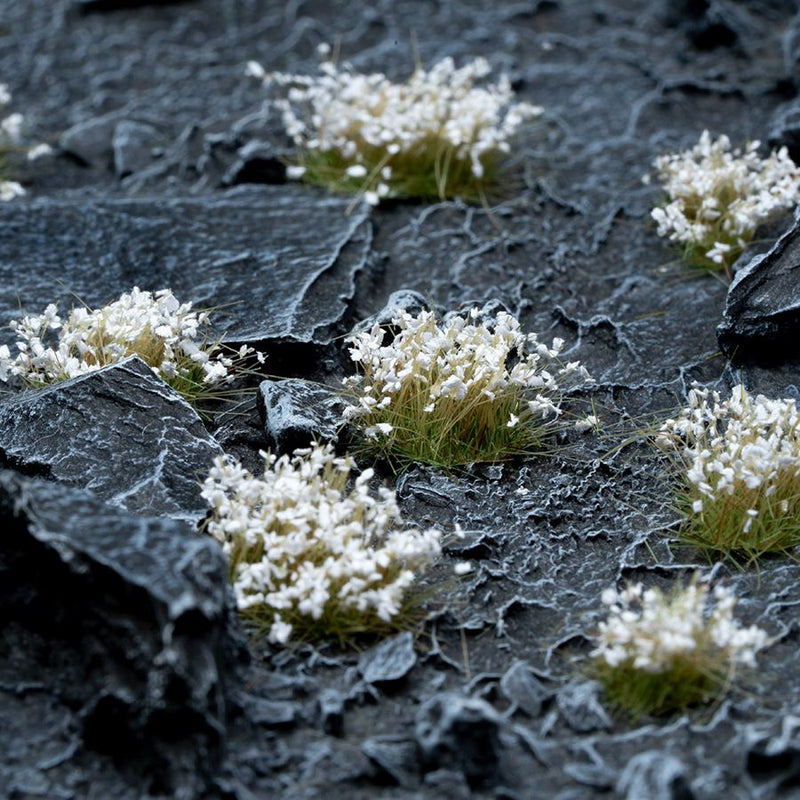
<point x="484" y="382"/>
<point x="654" y="632"/>
<point x="311" y="546"/>
<point x="366" y="125"/>
<point x="717" y="197"/>
<point x="168" y="335"/>
<point x="743" y="452"/>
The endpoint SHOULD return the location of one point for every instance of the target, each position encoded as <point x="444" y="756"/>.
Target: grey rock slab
<point x="90" y="140"/>
<point x="656" y="776"/>
<point x="122" y="619"/>
<point x="296" y="412"/>
<point x="396" y="756"/>
<point x="762" y="310"/>
<point x="132" y="144"/>
<point x="120" y="432"/>
<point x="524" y="689"/>
<point x="389" y="661"/>
<point x="453" y="731"/>
<point x="579" y="705"/>
<point x="274" y="260"/>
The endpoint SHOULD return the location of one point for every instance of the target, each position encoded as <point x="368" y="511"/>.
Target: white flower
<point x="353" y="115"/>
<point x="154" y="326"/>
<point x="731" y="446"/>
<point x="306" y="545"/>
<point x="718" y="197"/>
<point x="652" y="631"/>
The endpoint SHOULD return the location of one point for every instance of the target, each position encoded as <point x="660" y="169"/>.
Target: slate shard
<point x="656" y="776"/>
<point x="776" y="759"/>
<point x="524" y="689"/>
<point x="761" y="320"/>
<point x="275" y="275"/>
<point x="296" y="412"/>
<point x="396" y="757"/>
<point x="121" y="433"/>
<point x="453" y="731"/>
<point x="132" y="145"/>
<point x="785" y="129"/>
<point x="122" y="619"/>
<point x="579" y="705"/>
<point x="389" y="661"/>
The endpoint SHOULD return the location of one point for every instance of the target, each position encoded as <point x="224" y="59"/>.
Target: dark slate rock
<point x="777" y="758"/>
<point x="762" y="311"/>
<point x="785" y="128"/>
<point x="132" y="144"/>
<point x="396" y="757"/>
<point x="707" y="23"/>
<point x="580" y="707"/>
<point x="453" y="731"/>
<point x="656" y="776"/>
<point x="247" y="251"/>
<point x="90" y="140"/>
<point x="296" y="412"/>
<point x="122" y="621"/>
<point x="257" y="162"/>
<point x="120" y="432"/>
<point x="273" y="713"/>
<point x="598" y="776"/>
<point x="331" y="711"/>
<point x="447" y="784"/>
<point x="524" y="689"/>
<point x="389" y="661"/>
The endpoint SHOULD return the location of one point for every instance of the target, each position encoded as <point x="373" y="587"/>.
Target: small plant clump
<point x="10" y="134"/>
<point x="657" y="653"/>
<point x="740" y="466"/>
<point x="169" y="336"/>
<point x="717" y="198"/>
<point x="459" y="391"/>
<point x="437" y="135"/>
<point x="313" y="553"/>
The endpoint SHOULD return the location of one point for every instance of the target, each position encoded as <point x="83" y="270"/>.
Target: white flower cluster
<point x="458" y="359"/>
<point x="154" y="326"/>
<point x="718" y="197"/>
<point x="10" y="134"/>
<point x="350" y="114"/>
<point x="652" y="632"/>
<point x="302" y="544"/>
<point x="741" y="443"/>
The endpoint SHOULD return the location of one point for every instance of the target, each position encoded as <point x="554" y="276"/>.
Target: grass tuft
<point x="457" y="392"/>
<point x="738" y="474"/>
<point x="663" y="653"/>
<point x="436" y="136"/>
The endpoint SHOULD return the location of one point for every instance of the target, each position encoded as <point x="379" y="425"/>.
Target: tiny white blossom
<point x="306" y="545"/>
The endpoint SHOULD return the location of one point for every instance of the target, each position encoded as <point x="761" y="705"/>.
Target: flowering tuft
<point x="740" y="461"/>
<point x="657" y="653"/>
<point x="717" y="198"/>
<point x="169" y="336"/>
<point x="459" y="391"/>
<point x="436" y="135"/>
<point x="310" y="556"/>
<point x="10" y="134"/>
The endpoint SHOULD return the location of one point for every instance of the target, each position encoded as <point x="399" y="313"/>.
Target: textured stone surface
<point x="247" y="252"/>
<point x="296" y="412"/>
<point x="567" y="245"/>
<point x="761" y="321"/>
<point x="120" y="432"/>
<point x="391" y="660"/>
<point x="114" y="646"/>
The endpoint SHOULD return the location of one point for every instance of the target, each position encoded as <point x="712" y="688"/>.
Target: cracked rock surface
<point x="125" y="673"/>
